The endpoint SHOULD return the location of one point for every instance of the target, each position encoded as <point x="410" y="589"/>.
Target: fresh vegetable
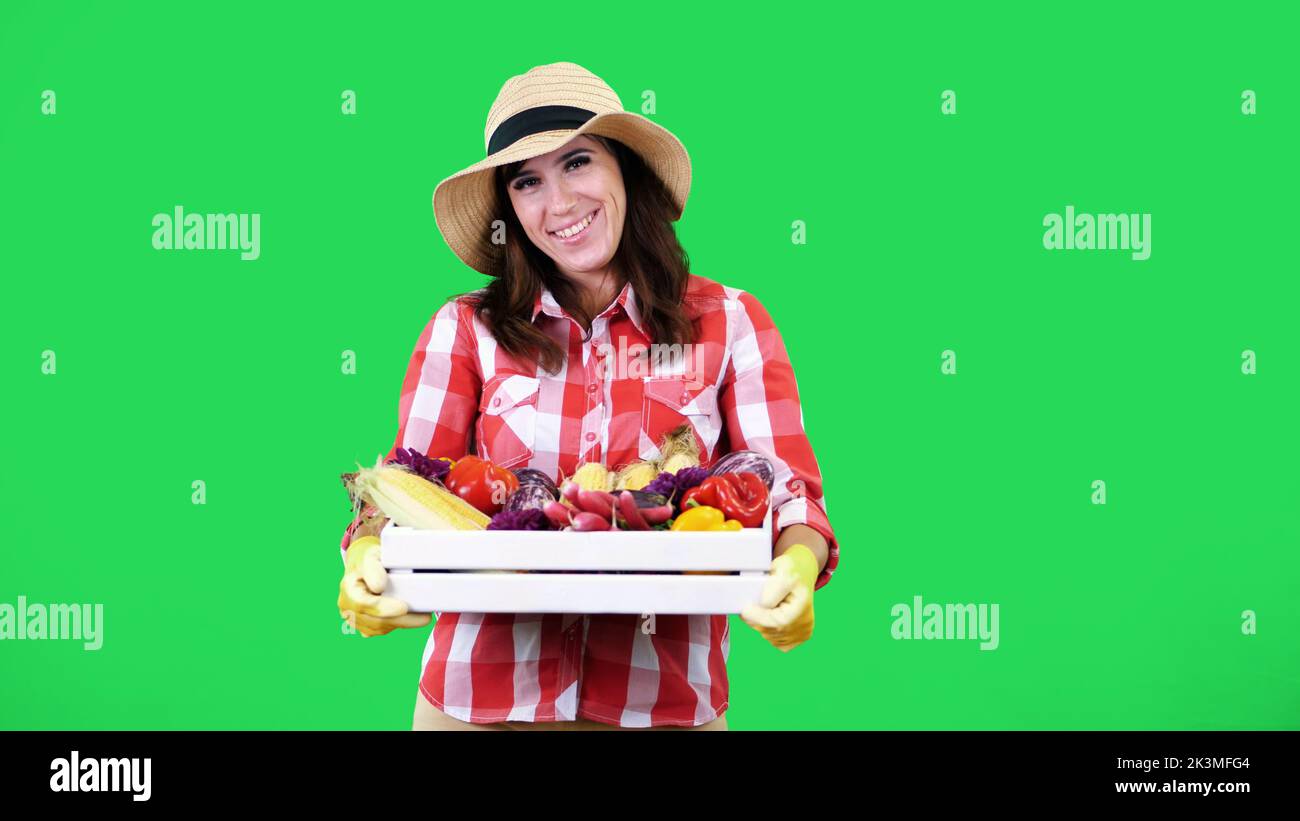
<point x="657" y="515"/>
<point x="481" y="483"/>
<point x="593" y="476"/>
<point x="674" y="485"/>
<point x="703" y="517"/>
<point x="431" y="469"/>
<point x="653" y="508"/>
<point x="740" y="496"/>
<point x="561" y="515"/>
<point x="533" y="476"/>
<point x="590" y="521"/>
<point x="645" y="499"/>
<point x="679" y="449"/>
<point x="411" y="500"/>
<point x="631" y="514"/>
<point x="531" y="496"/>
<point x="745" y="461"/>
<point x="529" y="519"/>
<point x="635" y="476"/>
<point x="569" y="492"/>
<point x="596" y="501"/>
<point x="600" y="502"/>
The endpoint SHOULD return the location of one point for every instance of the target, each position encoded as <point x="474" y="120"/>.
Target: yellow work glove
<point x="784" y="612"/>
<point x="364" y="578"/>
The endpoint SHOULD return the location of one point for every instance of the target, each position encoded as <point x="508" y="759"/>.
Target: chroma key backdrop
<point x="1035" y="270"/>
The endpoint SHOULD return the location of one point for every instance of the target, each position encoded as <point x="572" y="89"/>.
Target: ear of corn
<point x="594" y="476"/>
<point x="410" y="500"/>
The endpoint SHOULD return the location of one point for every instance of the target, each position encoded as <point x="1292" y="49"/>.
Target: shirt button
<point x="591" y="437"/>
<point x="592" y="388"/>
<point x="496" y="401"/>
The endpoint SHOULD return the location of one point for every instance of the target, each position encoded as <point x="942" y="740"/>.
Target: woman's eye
<point x="578" y="161"/>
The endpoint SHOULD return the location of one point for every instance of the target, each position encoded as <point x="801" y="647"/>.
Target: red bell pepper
<point x="740" y="496"/>
<point x="481" y="483"/>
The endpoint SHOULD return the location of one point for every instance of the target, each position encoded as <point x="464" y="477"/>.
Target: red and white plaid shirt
<point x="737" y="390"/>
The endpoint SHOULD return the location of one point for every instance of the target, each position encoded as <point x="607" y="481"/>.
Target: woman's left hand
<point x="784" y="612"/>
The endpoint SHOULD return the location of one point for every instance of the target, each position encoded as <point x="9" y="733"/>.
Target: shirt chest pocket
<point x="668" y="402"/>
<point x="506" y="430"/>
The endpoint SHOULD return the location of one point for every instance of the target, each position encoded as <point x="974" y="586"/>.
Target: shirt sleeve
<point x="440" y="394"/>
<point x="759" y="400"/>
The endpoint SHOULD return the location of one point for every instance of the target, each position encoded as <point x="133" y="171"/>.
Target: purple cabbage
<point x="530" y="496"/>
<point x="531" y="519"/>
<point x="745" y="461"/>
<point x="533" y="476"/>
<point x="435" y="470"/>
<point x="672" y="485"/>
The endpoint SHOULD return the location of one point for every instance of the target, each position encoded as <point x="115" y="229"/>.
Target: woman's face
<point x="560" y="191"/>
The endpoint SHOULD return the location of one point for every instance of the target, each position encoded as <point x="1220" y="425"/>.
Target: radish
<point x="627" y="506"/>
<point x="590" y="521"/>
<point x="570" y="492"/>
<point x="559" y="514"/>
<point x="657" y="515"/>
<point x="597" y="501"/>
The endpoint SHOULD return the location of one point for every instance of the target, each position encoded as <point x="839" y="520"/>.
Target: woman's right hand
<point x="360" y="602"/>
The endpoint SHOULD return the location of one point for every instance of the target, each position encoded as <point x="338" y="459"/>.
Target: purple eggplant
<point x="646" y="499"/>
<point x="745" y="461"/>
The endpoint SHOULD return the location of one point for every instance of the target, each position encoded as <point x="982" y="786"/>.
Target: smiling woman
<point x="585" y="219"/>
<point x="516" y="372"/>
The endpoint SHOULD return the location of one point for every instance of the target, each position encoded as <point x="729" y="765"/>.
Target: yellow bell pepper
<point x="703" y="517"/>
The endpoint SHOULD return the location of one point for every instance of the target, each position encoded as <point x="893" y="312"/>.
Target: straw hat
<point x="535" y="113"/>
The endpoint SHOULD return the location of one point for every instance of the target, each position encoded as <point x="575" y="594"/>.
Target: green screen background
<point x="924" y="233"/>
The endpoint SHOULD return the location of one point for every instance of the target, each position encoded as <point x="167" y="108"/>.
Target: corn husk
<point x="679" y="450"/>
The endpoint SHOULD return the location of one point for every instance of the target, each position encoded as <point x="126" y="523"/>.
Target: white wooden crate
<point x="461" y="571"/>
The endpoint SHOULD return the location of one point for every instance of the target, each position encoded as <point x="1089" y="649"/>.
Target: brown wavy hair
<point x="649" y="256"/>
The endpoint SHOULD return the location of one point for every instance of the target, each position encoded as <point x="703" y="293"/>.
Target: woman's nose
<point x="562" y="199"/>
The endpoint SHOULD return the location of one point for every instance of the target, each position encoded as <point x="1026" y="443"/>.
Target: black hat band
<point x="533" y="120"/>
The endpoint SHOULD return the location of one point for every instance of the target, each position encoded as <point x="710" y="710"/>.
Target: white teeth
<point x="568" y="232"/>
